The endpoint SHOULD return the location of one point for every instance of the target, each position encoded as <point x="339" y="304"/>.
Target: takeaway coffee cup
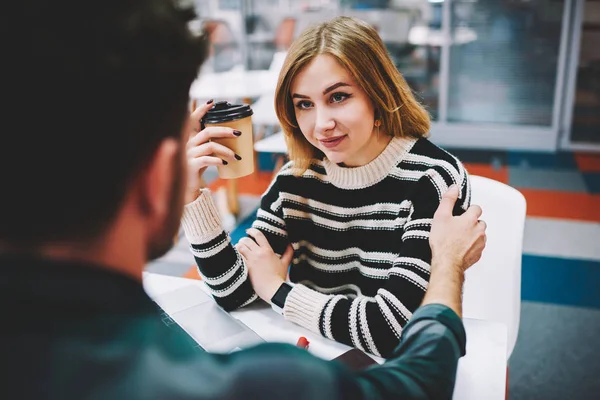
<point x="238" y="117"/>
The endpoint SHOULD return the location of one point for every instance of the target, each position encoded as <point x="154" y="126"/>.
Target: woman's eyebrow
<point x="327" y="90"/>
<point x="335" y="86"/>
<point x="299" y="96"/>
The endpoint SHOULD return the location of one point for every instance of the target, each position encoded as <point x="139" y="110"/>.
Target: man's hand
<point x="456" y="244"/>
<point x="266" y="270"/>
<point x="458" y="240"/>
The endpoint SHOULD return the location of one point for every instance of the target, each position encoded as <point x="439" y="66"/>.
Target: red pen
<point x="303" y="343"/>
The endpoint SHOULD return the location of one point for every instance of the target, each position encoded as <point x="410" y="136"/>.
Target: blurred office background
<point x="513" y="87"/>
<point x="499" y="74"/>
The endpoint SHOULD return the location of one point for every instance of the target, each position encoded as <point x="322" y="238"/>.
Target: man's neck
<point x="120" y="263"/>
<point x="113" y="253"/>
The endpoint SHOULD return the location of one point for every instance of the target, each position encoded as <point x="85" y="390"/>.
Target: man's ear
<point x="156" y="183"/>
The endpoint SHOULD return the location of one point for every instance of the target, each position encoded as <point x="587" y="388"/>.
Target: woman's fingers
<point x="212" y="149"/>
<point x="199" y="163"/>
<point x="258" y="237"/>
<point x="243" y="250"/>
<point x="249" y="243"/>
<point x="212" y="132"/>
<point x="198" y="114"/>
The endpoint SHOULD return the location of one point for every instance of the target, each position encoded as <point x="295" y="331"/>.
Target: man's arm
<point x="423" y="366"/>
<point x="456" y="244"/>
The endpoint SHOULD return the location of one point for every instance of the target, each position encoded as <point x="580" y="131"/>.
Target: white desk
<point x="481" y="373"/>
<point x="425" y="36"/>
<point x="274" y="143"/>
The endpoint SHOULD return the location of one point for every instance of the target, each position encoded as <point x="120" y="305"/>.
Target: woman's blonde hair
<point x="359" y="49"/>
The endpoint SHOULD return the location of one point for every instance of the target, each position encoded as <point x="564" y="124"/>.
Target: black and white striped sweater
<point x="360" y="238"/>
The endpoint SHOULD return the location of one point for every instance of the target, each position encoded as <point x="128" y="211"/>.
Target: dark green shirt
<point x="74" y="331"/>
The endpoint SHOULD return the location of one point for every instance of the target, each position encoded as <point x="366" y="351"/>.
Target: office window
<point x="586" y="113"/>
<point x="412" y="33"/>
<point x="503" y="61"/>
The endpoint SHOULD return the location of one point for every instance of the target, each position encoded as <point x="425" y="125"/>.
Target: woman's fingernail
<point x="237" y="133"/>
<point x="224" y="162"/>
<point x="238" y="157"/>
<point x="210" y="101"/>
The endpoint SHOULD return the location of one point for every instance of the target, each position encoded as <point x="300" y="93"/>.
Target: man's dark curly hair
<point x="90" y="90"/>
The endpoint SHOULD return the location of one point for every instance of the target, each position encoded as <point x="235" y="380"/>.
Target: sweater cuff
<point x="201" y="221"/>
<point x="303" y="306"/>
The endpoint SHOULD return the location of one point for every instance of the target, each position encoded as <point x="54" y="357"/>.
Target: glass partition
<point x="491" y="73"/>
<point x="585" y="124"/>
<point x="504" y="61"/>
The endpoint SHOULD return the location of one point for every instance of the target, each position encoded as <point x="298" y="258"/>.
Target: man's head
<point x="97" y="96"/>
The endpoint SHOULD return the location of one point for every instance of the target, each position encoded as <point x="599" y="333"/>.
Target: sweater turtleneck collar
<point x="373" y="172"/>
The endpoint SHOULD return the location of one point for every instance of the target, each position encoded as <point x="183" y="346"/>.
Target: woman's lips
<point x="332" y="142"/>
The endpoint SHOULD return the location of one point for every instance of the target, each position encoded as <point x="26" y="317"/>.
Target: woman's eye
<point x="339" y="97"/>
<point x="303" y="105"/>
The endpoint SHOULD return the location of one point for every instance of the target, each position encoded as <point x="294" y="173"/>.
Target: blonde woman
<point x="351" y="211"/>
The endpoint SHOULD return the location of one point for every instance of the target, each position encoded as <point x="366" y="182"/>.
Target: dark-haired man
<point x="92" y="188"/>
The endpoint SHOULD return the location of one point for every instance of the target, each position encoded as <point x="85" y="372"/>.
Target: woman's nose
<point x="324" y="121"/>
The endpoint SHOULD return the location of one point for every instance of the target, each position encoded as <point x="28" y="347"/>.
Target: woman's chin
<point x="335" y="157"/>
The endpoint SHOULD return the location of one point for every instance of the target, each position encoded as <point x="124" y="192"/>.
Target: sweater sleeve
<point x="220" y="265"/>
<point x="374" y="324"/>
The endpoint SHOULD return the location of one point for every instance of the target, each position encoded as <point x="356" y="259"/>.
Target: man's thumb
<point x="286" y="257"/>
<point x="448" y="200"/>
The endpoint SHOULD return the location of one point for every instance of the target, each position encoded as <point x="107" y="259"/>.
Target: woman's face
<point x="334" y="113"/>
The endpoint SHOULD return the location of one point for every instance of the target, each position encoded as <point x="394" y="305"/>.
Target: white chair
<point x="492" y="289"/>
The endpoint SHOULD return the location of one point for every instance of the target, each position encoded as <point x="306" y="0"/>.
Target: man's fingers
<point x="482" y="225"/>
<point x="448" y="200"/>
<point x="474" y="211"/>
<point x="258" y="237"/>
<point x="286" y="257"/>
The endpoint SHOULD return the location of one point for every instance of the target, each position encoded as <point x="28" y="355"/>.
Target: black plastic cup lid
<point x="223" y="111"/>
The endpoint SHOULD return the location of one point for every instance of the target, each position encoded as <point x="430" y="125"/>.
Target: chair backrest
<point x="492" y="288"/>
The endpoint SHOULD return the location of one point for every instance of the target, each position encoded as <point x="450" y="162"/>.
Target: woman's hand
<point x="267" y="271"/>
<point x="201" y="152"/>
